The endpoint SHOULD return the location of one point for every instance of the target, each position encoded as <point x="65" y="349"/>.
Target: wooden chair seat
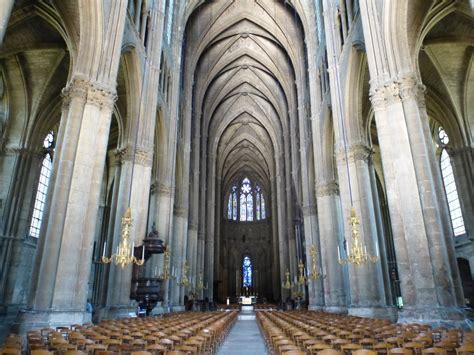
<point x="400" y="351"/>
<point x="434" y="350"/>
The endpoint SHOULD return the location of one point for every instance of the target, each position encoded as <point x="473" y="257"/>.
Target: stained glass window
<point x="42" y="190"/>
<point x="247" y="272"/>
<point x="234" y="204"/>
<point x="246" y="202"/>
<point x="243" y="207"/>
<point x="457" y="220"/>
<point x="257" y="206"/>
<point x="229" y="208"/>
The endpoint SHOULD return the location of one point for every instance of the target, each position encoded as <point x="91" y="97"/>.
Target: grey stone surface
<point x="244" y="338"/>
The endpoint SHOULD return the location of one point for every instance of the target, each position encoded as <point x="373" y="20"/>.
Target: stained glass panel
<point x="247" y="272"/>
<point x="249" y="207"/>
<point x="257" y="206"/>
<point x="243" y="207"/>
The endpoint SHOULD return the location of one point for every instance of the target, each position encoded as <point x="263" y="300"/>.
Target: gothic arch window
<point x="246" y="202"/>
<point x="455" y="212"/>
<point x="247" y="271"/>
<point x="42" y="189"/>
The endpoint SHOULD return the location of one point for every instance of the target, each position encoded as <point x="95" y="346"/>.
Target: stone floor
<point x="244" y="338"/>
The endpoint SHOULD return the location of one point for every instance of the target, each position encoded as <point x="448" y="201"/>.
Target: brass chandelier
<point x="125" y="252"/>
<point x="357" y="254"/>
<point x="316" y="273"/>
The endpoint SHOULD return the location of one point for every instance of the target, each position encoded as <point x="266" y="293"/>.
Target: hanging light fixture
<point x="357" y="253"/>
<point x="316" y="273"/>
<point x="125" y="252"/>
<point x="166" y="275"/>
<point x="287" y="285"/>
<point x="184" y="277"/>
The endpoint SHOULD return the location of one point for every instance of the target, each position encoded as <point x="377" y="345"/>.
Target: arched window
<point x="246" y="202"/>
<point x="247" y="271"/>
<point x="42" y="190"/>
<point x="232" y="204"/>
<point x="457" y="220"/>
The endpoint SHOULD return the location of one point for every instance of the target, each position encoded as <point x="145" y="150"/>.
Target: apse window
<point x="42" y="189"/>
<point x="246" y="202"/>
<point x="247" y="272"/>
<point x="455" y="212"/>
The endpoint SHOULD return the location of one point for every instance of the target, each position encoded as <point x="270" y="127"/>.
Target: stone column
<point x="60" y="293"/>
<point x="462" y="160"/>
<point x="330" y="231"/>
<point x="429" y="281"/>
<point x="135" y="176"/>
<point x="315" y="288"/>
<point x="367" y="296"/>
<point x="5" y="12"/>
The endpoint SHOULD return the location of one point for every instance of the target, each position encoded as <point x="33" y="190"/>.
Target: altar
<point x="247" y="304"/>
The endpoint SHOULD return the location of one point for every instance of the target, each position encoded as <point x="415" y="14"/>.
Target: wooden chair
<point x="364" y="352"/>
<point x="438" y="351"/>
<point x="10" y="351"/>
<point x="141" y="353"/>
<point x="382" y="347"/>
<point x="188" y="349"/>
<point x="400" y="351"/>
<point x="415" y="347"/>
<point x="74" y="352"/>
<point x="330" y="352"/>
<point x="41" y="352"/>
<point x="350" y="348"/>
<point x="175" y="352"/>
<point x="465" y="350"/>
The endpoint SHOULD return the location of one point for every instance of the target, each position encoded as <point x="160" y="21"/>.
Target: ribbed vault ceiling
<point x="243" y="57"/>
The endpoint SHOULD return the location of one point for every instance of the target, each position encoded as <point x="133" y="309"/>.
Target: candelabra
<point x="357" y="254"/>
<point x="184" y="277"/>
<point x="166" y="275"/>
<point x="287" y="285"/>
<point x="200" y="285"/>
<point x="125" y="253"/>
<point x="316" y="273"/>
<point x="301" y="278"/>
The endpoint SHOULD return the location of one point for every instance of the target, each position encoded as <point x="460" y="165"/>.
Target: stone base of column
<point x="437" y="317"/>
<point x="315" y="307"/>
<point x="34" y="319"/>
<point x="389" y="313"/>
<point x="336" y="309"/>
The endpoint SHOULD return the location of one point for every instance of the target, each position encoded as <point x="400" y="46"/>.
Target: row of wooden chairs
<point x="190" y="332"/>
<point x="314" y="332"/>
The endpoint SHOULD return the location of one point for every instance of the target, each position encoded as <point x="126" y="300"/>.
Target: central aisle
<point x="244" y="338"/>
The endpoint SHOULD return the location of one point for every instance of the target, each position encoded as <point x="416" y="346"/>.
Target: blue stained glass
<point x="247" y="272"/>
<point x="257" y="206"/>
<point x="263" y="208"/>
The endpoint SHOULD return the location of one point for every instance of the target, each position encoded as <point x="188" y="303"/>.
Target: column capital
<point x="142" y="156"/>
<point x="88" y="92"/>
<point x="180" y="211"/>
<point x="160" y="188"/>
<point x="327" y="188"/>
<point x="411" y="87"/>
<point x="403" y="87"/>
<point x="355" y="152"/>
